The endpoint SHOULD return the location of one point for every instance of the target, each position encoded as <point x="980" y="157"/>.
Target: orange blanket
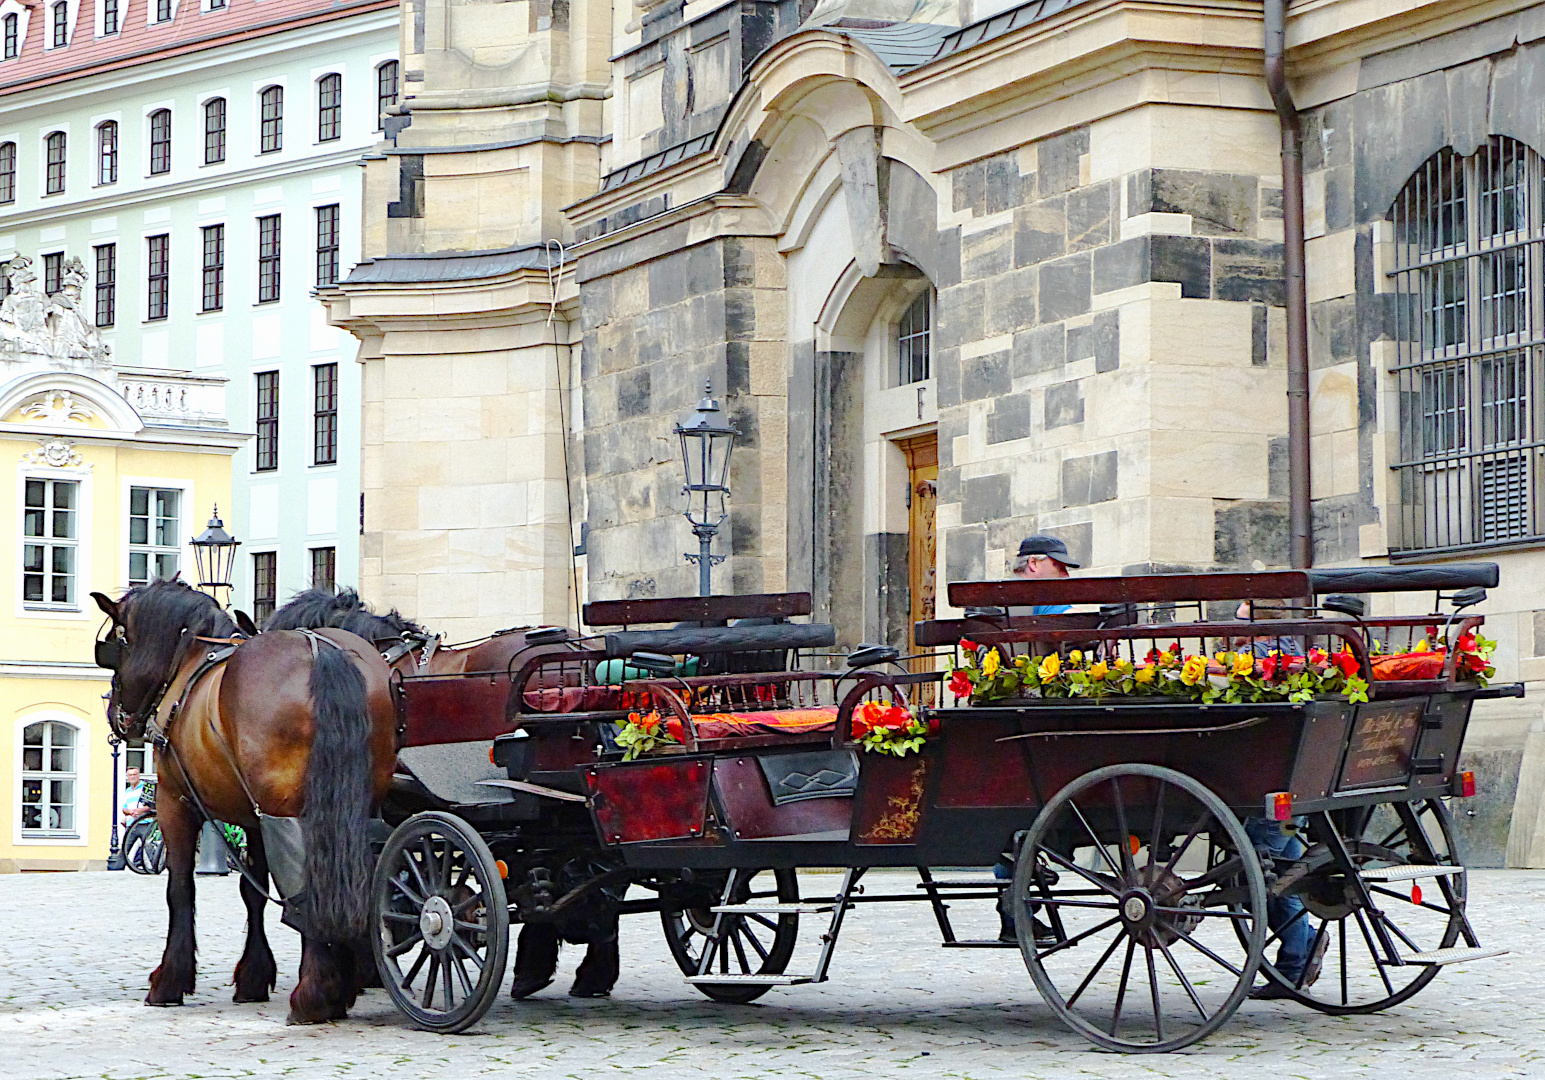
<point x="773" y="722"/>
<point x="1402" y="666"/>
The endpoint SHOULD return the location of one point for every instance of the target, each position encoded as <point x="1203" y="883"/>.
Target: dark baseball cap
<point x="1047" y="545"/>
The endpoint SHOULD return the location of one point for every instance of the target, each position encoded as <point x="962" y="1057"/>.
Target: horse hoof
<point x="164" y="1004"/>
<point x="524" y="988"/>
<point x="585" y="992"/>
<point x="249" y="999"/>
<point x="303" y="1021"/>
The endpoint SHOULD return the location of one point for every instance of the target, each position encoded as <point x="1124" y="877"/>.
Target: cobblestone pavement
<point x="77" y="949"/>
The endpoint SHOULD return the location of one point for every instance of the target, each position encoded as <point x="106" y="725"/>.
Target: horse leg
<point x="175" y="975"/>
<point x="256" y="972"/>
<point x="324" y="991"/>
<point x="599" y="969"/>
<point x="536" y="958"/>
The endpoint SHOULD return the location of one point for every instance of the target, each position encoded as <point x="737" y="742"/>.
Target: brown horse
<point x="292" y="725"/>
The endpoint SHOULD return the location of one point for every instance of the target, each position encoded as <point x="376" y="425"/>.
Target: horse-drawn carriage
<point x="1124" y="762"/>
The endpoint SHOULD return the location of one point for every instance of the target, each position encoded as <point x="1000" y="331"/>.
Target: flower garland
<point x="641" y="733"/>
<point x="1226" y="677"/>
<point x="890" y="728"/>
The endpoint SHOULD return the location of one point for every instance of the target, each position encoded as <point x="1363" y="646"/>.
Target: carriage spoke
<point x="1057" y="901"/>
<point x="1222" y="872"/>
<point x="467" y="950"/>
<point x="1185" y="982"/>
<point x="1341" y="925"/>
<point x="1095" y="838"/>
<point x="1158" y="828"/>
<point x="1203" y="913"/>
<point x="403" y="946"/>
<point x="755" y="944"/>
<point x="1076" y="938"/>
<point x="1186" y="843"/>
<point x="1276" y="935"/>
<point x="764" y="920"/>
<point x="1406" y="898"/>
<point x="423" y="884"/>
<point x="1088" y="875"/>
<point x="400" y="883"/>
<point x="445" y="983"/>
<point x="399" y="916"/>
<point x="1208" y="953"/>
<point x="431" y="861"/>
<point x="1128" y="873"/>
<point x="1389" y="924"/>
<point x="1373" y="951"/>
<point x="431" y="977"/>
<point x="461" y="977"/>
<point x="1153" y="987"/>
<point x="740" y="950"/>
<point x="1121" y="989"/>
<point x="1098" y="965"/>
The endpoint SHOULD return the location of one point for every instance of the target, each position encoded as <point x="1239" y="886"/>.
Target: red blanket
<point x="773" y="722"/>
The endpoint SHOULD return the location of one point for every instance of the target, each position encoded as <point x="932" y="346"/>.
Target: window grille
<point x="160" y="141"/>
<point x="265" y="584"/>
<point x="61" y="24"/>
<point x="12" y="37"/>
<point x="267" y="421"/>
<point x="107" y="152"/>
<point x="157" y="277"/>
<point x="912" y="340"/>
<point x="53" y="271"/>
<point x="325" y="416"/>
<point x="329" y="107"/>
<point x="271" y="120"/>
<point x="386" y="90"/>
<point x="154" y="539"/>
<point x="268" y="258"/>
<point x="107" y="284"/>
<point x="1470" y="335"/>
<point x="214" y="131"/>
<point x="214" y="268"/>
<point x="7" y="172"/>
<point x="49" y="539"/>
<point x="54" y="151"/>
<point x="327" y="245"/>
<point x="324" y="568"/>
<point x="48" y="753"/>
<point x="109" y="16"/>
<point x="163" y="10"/>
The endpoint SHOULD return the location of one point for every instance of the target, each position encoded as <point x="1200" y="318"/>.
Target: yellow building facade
<point x="108" y="474"/>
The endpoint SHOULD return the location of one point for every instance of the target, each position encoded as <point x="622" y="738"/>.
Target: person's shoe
<point x="1271" y="991"/>
<point x="1044" y="935"/>
<point x="1316" y="961"/>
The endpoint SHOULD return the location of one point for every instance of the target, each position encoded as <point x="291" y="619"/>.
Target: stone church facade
<point x="958" y="274"/>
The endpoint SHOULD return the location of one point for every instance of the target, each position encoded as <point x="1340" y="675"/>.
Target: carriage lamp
<point x="705" y="454"/>
<point x="214" y="553"/>
<point x="1279" y="806"/>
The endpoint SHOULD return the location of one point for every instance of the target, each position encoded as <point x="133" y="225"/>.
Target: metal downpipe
<point x="1300" y="523"/>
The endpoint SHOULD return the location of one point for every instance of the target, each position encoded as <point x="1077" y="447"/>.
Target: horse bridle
<point x="111" y="652"/>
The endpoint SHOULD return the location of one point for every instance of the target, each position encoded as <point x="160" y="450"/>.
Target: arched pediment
<point x="63" y="400"/>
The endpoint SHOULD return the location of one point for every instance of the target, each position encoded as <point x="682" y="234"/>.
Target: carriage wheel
<point x="1140" y="877"/>
<point x="1420" y="914"/>
<point x="756" y="944"/>
<point x="441" y="922"/>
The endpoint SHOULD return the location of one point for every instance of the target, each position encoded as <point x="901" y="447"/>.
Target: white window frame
<point x="49" y="544"/>
<point x="185" y="549"/>
<point x="82" y="773"/>
<point x="83" y="534"/>
<point x="152" y="551"/>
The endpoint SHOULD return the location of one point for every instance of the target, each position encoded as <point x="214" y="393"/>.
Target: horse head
<point x="154" y="627"/>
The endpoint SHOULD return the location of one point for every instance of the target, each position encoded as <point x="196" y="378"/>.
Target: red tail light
<point x="1279" y="806"/>
<point x="1464" y="784"/>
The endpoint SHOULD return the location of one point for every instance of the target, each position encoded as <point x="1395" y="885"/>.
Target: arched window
<point x="48" y="772"/>
<point x="54" y="150"/>
<point x="386" y="89"/>
<point x="912" y="340"/>
<point x="160" y="142"/>
<point x="107" y="152"/>
<point x="329" y="107"/>
<point x="61" y="11"/>
<point x="214" y="131"/>
<point x="7" y="172"/>
<point x="271" y="119"/>
<point x="12" y="37"/>
<point x="1470" y="337"/>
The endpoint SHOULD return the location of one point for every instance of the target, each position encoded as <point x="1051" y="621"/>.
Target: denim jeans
<point x="1297" y="939"/>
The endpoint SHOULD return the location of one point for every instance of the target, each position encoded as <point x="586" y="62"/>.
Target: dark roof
<point x="453" y="266"/>
<point x="902" y="47"/>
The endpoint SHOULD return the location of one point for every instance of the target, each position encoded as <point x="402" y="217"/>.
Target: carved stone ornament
<point x="58" y="407"/>
<point x="55" y="326"/>
<point x="57" y="453"/>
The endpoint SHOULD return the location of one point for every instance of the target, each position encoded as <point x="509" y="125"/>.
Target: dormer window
<point x="61" y="11"/>
<point x="12" y="37"/>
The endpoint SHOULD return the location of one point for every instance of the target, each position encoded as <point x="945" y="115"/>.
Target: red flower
<point x="1269" y="666"/>
<point x="1346" y="662"/>
<point x="1466" y="643"/>
<point x="1318" y="656"/>
<point x="1474" y="661"/>
<point x="1175" y="648"/>
<point x="968" y="645"/>
<point x="674" y="730"/>
<point x="1152" y="657"/>
<point x="1432" y="631"/>
<point x="960" y="685"/>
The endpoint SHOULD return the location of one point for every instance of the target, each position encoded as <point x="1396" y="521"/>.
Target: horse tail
<point x="338" y="797"/>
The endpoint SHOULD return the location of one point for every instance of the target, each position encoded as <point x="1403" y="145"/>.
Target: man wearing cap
<point x="1043" y="556"/>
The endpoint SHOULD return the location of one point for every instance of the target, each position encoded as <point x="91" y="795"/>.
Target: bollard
<point x="211" y="851"/>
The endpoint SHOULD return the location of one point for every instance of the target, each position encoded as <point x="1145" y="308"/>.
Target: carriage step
<point x="749" y="980"/>
<point x="774" y="909"/>
<point x="1407" y="873"/>
<point x="993" y="944"/>
<point x="1452" y="956"/>
<point x="985" y="882"/>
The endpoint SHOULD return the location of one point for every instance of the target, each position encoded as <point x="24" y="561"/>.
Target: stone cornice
<point x="522" y="297"/>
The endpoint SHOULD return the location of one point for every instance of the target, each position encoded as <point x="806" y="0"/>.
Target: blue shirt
<point x="1051" y="609"/>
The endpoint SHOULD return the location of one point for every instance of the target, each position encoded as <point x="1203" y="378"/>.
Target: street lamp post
<point x="114" y="853"/>
<point x="214" y="552"/>
<point x="705" y="455"/>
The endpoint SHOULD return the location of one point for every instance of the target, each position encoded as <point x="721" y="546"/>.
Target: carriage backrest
<point x="672" y="609"/>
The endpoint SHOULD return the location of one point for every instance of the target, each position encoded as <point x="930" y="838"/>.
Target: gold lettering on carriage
<point x="1379" y="751"/>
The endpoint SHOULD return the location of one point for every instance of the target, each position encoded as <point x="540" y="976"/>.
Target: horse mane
<point x="312" y="609"/>
<point x="167" y="616"/>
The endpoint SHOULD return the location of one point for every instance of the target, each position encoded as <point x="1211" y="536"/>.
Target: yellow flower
<point x="1123" y="665"/>
<point x="1193" y="670"/>
<point x="1075" y="657"/>
<point x="1145" y="674"/>
<point x="1098" y="671"/>
<point x="1050" y="666"/>
<point x="990" y="663"/>
<point x="1421" y="646"/>
<point x="1244" y="663"/>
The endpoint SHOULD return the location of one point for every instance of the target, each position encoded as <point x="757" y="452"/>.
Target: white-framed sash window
<point x="50" y="543"/>
<point x="155" y="549"/>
